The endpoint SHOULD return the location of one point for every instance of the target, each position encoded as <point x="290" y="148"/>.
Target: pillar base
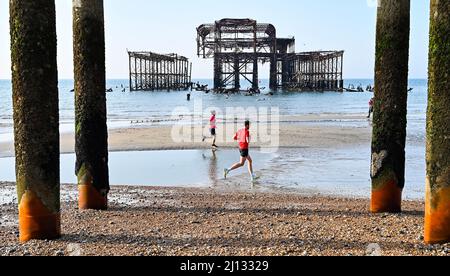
<point x="387" y="199"/>
<point x="36" y="222"/>
<point x="437" y="217"/>
<point x="90" y="199"/>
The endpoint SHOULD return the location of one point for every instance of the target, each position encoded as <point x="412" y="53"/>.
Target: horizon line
<point x="200" y="78"/>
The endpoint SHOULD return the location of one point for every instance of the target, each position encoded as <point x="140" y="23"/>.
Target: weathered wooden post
<point x="389" y="125"/>
<point x="36" y="118"/>
<point x="90" y="104"/>
<point x="437" y="221"/>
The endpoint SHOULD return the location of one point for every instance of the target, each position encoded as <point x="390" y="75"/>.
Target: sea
<point x="337" y="172"/>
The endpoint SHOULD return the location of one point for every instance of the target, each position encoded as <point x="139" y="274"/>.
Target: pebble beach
<point x="146" y="221"/>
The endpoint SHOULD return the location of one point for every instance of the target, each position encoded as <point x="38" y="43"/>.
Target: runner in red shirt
<point x="243" y="138"/>
<point x="212" y="129"/>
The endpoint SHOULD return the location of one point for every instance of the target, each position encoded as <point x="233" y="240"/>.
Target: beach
<point x="208" y="222"/>
<point x="250" y="131"/>
<point x="298" y="131"/>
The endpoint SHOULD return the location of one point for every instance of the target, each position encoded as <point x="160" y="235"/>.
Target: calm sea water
<point x="125" y="107"/>
<point x="333" y="171"/>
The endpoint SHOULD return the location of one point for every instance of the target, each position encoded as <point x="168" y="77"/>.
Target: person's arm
<point x="235" y="137"/>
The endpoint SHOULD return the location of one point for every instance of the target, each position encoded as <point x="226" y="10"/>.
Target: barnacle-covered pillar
<point x="437" y="221"/>
<point x="90" y="104"/>
<point x="389" y="124"/>
<point x="36" y="118"/>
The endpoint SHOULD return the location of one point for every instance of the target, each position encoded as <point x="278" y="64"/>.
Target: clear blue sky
<point x="169" y="26"/>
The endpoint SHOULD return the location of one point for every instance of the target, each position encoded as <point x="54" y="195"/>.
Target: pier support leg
<point x="389" y="125"/>
<point x="217" y="73"/>
<point x="90" y="104"/>
<point x="237" y="75"/>
<point x="273" y="74"/>
<point x="285" y="72"/>
<point x="255" y="75"/>
<point x="437" y="220"/>
<point x="36" y="118"/>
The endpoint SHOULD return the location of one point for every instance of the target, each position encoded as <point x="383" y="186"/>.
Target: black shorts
<point x="244" y="153"/>
<point x="213" y="131"/>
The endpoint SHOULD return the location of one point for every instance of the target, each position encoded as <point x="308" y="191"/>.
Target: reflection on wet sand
<point x="213" y="169"/>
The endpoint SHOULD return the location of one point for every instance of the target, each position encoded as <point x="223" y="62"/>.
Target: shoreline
<point x="300" y="131"/>
<point x="141" y="220"/>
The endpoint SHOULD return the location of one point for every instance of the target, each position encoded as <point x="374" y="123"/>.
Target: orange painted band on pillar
<point x="437" y="217"/>
<point x="91" y="199"/>
<point x="387" y="199"/>
<point x="36" y="222"/>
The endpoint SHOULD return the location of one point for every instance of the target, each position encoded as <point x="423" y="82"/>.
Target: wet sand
<point x="205" y="222"/>
<point x="303" y="131"/>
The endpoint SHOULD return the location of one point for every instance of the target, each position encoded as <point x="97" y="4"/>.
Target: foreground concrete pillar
<point x="437" y="221"/>
<point x="36" y="118"/>
<point x="90" y="104"/>
<point x="389" y="124"/>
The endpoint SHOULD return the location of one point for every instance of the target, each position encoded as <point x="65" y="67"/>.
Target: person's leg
<point x="235" y="166"/>
<point x="214" y="140"/>
<point x="238" y="165"/>
<point x="210" y="133"/>
<point x="250" y="165"/>
<point x="250" y="169"/>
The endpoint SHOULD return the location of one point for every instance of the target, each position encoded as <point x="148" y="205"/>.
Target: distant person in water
<point x="243" y="138"/>
<point x="371" y="105"/>
<point x="212" y="129"/>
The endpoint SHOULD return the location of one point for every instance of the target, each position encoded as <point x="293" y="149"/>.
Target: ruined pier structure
<point x="150" y="71"/>
<point x="239" y="45"/>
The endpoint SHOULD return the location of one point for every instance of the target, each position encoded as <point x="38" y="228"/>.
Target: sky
<point x="169" y="26"/>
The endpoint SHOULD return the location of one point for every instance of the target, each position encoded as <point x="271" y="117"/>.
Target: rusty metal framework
<point x="239" y="45"/>
<point x="314" y="71"/>
<point x="150" y="71"/>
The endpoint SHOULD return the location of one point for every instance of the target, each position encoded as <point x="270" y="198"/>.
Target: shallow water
<point x="189" y="168"/>
<point x="334" y="172"/>
<point x="343" y="172"/>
